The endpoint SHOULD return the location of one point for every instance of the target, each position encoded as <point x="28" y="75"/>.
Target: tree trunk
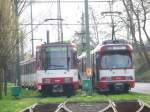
<point x="5" y="80"/>
<point x="1" y="82"/>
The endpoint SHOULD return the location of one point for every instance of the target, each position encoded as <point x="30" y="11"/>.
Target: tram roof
<point x="57" y="43"/>
<point x="99" y="47"/>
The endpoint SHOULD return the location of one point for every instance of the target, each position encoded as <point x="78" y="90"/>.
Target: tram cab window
<point x="116" y="60"/>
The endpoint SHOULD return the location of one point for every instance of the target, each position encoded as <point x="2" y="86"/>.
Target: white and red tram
<point x="54" y="69"/>
<point x="114" y="67"/>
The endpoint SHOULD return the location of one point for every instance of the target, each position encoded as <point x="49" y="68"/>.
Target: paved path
<point x="142" y="88"/>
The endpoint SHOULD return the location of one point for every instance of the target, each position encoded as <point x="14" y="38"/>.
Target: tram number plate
<point x="57" y="88"/>
<point x="119" y="86"/>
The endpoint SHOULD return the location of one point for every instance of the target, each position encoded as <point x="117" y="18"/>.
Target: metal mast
<point x="87" y="34"/>
<point x="59" y="22"/>
<point x="17" y="47"/>
<point x="112" y="20"/>
<point x="32" y="40"/>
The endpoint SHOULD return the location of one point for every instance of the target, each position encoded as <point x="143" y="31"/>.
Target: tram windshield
<point x="56" y="57"/>
<point x="116" y="60"/>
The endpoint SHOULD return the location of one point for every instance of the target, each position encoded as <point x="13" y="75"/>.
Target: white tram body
<point x="112" y="67"/>
<point x="54" y="69"/>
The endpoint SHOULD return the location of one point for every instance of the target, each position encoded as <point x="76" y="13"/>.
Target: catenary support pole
<point x="32" y="40"/>
<point x="17" y="46"/>
<point x="88" y="65"/>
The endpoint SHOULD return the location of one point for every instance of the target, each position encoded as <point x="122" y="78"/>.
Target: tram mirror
<point x="68" y="61"/>
<point x="46" y="60"/>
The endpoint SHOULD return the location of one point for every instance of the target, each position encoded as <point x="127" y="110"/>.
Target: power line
<point x="64" y="1"/>
<point x="70" y="24"/>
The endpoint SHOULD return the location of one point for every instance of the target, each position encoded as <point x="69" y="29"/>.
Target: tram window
<point x="116" y="60"/>
<point x="29" y="68"/>
<point x="21" y="67"/>
<point x="38" y="58"/>
<point x="32" y="68"/>
<point x="26" y="69"/>
<point x="97" y="59"/>
<point x="23" y="70"/>
<point x="74" y="59"/>
<point x="34" y="64"/>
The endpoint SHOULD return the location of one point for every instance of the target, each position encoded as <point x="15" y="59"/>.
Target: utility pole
<point x="88" y="65"/>
<point x="83" y="33"/>
<point x="59" y="22"/>
<point x="17" y="46"/>
<point x="32" y="41"/>
<point x="112" y="20"/>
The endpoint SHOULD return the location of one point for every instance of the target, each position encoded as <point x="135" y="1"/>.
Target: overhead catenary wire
<point x="67" y="24"/>
<point x="65" y="1"/>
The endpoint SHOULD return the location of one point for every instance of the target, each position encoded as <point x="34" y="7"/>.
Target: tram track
<point x="109" y="106"/>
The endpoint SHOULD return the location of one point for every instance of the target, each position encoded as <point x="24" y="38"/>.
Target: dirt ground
<point x="44" y="108"/>
<point x="86" y="107"/>
<point x="121" y="106"/>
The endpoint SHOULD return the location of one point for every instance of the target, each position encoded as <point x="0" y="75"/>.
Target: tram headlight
<point x="46" y="81"/>
<point x="129" y="78"/>
<point x="105" y="78"/>
<point x="68" y="80"/>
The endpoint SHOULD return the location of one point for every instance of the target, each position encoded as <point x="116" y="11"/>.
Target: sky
<point x="71" y="13"/>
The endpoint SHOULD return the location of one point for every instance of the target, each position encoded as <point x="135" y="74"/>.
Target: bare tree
<point x="8" y="37"/>
<point x="136" y="12"/>
<point x="145" y="9"/>
<point x="95" y="27"/>
<point x="127" y="5"/>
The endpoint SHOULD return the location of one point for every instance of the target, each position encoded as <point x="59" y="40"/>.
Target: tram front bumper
<point x="116" y="86"/>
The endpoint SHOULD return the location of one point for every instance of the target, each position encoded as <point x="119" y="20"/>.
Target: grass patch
<point x="30" y="97"/>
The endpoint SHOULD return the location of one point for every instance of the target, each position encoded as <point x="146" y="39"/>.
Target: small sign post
<point x="87" y="82"/>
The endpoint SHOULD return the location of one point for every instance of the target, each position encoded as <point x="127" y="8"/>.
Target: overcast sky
<point x="71" y="14"/>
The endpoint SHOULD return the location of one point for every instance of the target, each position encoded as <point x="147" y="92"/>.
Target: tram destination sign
<point x="55" y="49"/>
<point x="116" y="48"/>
